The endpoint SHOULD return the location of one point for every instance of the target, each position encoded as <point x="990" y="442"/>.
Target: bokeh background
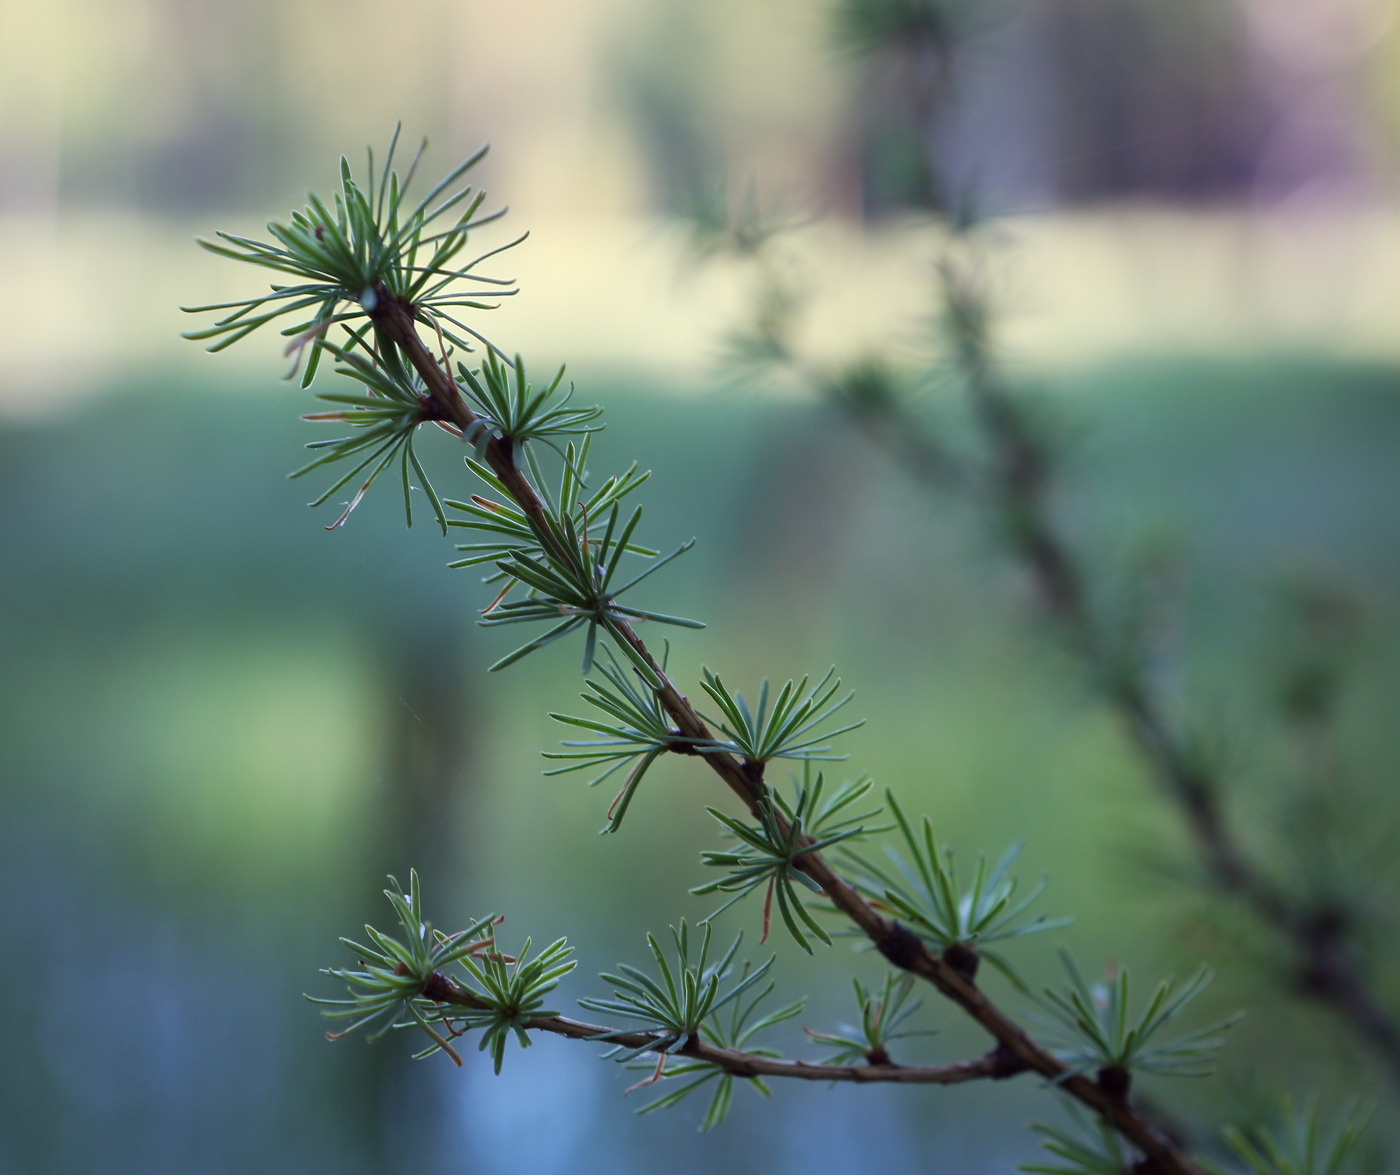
<point x="220" y="725"/>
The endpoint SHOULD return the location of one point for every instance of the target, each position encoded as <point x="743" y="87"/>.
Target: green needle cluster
<point x="770" y="852"/>
<point x="786" y="730"/>
<point x="1102" y="1033"/>
<point x="924" y="892"/>
<point x="398" y="984"/>
<point x="386" y="415"/>
<point x="387" y="990"/>
<point x="676" y="1004"/>
<point x="1300" y="1143"/>
<point x="514" y="989"/>
<point x="567" y="566"/>
<point x="1089" y="1148"/>
<point x="512" y="409"/>
<point x="367" y="244"/>
<point x="640" y="733"/>
<point x="736" y="1030"/>
<point x="881" y="1013"/>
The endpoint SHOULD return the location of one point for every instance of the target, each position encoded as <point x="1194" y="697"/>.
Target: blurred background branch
<point x="1011" y="473"/>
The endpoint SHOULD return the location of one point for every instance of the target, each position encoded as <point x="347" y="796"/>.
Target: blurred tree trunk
<point x="424" y="670"/>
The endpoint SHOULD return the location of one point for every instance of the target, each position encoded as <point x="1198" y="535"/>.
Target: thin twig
<point x="995" y="1065"/>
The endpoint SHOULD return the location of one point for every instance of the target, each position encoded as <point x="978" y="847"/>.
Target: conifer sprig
<point x="1101" y="1033"/>
<point x="926" y="893"/>
<point x="395" y="404"/>
<point x="388" y="990"/>
<point x="510" y="526"/>
<point x="513" y="990"/>
<point x="640" y="733"/>
<point x="769" y="852"/>
<point x="565" y="558"/>
<point x="674" y="1006"/>
<point x="368" y="243"/>
<point x="1301" y="1143"/>
<point x="1088" y="1148"/>
<point x="511" y="409"/>
<point x="402" y="982"/>
<point x="734" y="1032"/>
<point x="786" y="730"/>
<point x="882" y="1011"/>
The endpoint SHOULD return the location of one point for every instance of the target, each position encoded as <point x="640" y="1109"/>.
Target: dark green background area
<point x="222" y="725"/>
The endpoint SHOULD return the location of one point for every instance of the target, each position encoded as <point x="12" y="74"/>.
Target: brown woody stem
<point x="995" y="1065"/>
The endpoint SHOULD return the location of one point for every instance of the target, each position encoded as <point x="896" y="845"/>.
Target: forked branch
<point x="900" y="946"/>
<point x="361" y="259"/>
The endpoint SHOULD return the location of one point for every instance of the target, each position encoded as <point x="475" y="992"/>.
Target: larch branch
<point x="900" y="946"/>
